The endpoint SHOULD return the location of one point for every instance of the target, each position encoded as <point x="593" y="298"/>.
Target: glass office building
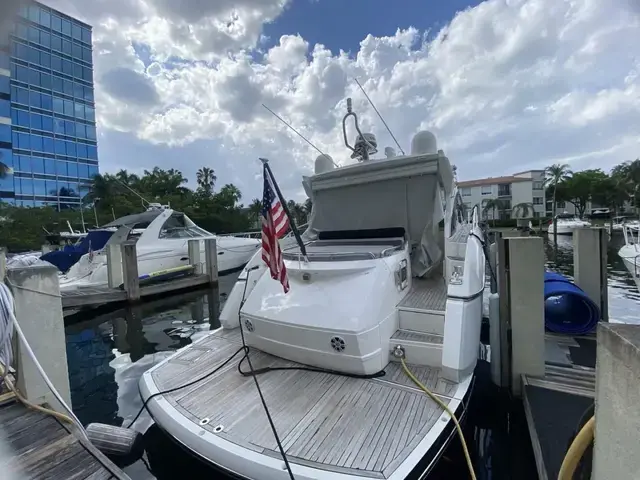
<point x="47" y="110"/>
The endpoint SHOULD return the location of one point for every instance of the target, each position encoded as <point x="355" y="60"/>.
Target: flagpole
<point x="292" y="222"/>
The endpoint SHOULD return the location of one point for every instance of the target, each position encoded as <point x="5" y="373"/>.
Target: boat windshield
<point x="177" y="226"/>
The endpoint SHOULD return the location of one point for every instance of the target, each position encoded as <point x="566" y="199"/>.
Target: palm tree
<point x="553" y="176"/>
<point x="492" y="205"/>
<point x="523" y="210"/>
<point x="206" y="178"/>
<point x="254" y="209"/>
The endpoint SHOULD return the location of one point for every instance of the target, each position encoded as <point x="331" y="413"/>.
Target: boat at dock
<point x="630" y="252"/>
<point x="567" y="224"/>
<point x="161" y="236"/>
<point x="374" y="285"/>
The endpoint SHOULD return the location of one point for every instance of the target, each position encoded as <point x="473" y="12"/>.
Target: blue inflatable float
<point x="567" y="309"/>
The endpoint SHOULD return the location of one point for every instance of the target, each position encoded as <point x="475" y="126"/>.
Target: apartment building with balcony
<point x="522" y="187"/>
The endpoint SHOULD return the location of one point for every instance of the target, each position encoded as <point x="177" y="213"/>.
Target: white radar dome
<point x="324" y="163"/>
<point x="424" y="142"/>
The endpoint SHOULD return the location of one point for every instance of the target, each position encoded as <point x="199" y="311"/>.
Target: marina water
<point x="109" y="351"/>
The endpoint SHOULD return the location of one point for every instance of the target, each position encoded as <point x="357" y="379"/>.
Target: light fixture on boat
<point x="456" y="275"/>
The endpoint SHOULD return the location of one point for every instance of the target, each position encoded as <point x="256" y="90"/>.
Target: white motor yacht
<point x="161" y="236"/>
<point x="630" y="252"/>
<point x="567" y="224"/>
<point x="617" y="224"/>
<point x="382" y="282"/>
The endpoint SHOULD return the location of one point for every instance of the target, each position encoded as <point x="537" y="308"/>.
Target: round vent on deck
<point x="248" y="325"/>
<point x="338" y="344"/>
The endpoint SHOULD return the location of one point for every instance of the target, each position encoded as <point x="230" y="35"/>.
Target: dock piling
<point x="114" y="265"/>
<point x="590" y="265"/>
<point x="38" y="309"/>
<point x="194" y="256"/>
<point x="211" y="259"/>
<point x="130" y="271"/>
<point x="3" y="264"/>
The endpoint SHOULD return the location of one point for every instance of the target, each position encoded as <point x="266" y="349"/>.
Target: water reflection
<point x="108" y="353"/>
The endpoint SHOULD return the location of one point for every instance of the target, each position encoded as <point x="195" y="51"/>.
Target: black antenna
<point x="385" y="123"/>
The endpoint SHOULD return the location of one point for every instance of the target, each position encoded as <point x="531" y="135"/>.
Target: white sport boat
<point x="630" y="253"/>
<point x="161" y="237"/>
<point x="618" y="224"/>
<point x="567" y="224"/>
<point x="381" y="282"/>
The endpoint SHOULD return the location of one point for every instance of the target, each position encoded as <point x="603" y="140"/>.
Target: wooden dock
<point x="100" y="295"/>
<point x="40" y="446"/>
<point x="555" y="404"/>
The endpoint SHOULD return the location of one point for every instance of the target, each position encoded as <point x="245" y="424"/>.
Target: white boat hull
<point x="631" y="258"/>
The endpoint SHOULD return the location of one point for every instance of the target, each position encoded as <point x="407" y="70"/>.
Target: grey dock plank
<point x="329" y="422"/>
<point x="44" y="448"/>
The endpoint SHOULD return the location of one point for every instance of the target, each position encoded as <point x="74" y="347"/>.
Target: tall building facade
<point x="47" y="110"/>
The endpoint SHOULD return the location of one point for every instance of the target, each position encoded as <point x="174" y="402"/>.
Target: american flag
<point x="275" y="224"/>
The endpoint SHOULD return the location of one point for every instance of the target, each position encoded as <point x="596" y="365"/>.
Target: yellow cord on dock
<point x="446" y="408"/>
<point x="576" y="450"/>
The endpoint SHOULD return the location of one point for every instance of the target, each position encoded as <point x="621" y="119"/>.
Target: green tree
<point x="206" y="179"/>
<point x="308" y="205"/>
<point x="523" y="210"/>
<point x="554" y="176"/>
<point x="254" y="210"/>
<point x="580" y="188"/>
<point x="493" y="205"/>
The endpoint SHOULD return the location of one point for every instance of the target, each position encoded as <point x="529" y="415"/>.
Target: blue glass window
<point x="21" y="51"/>
<point x="25" y="163"/>
<point x="76" y="51"/>
<point x="14" y="116"/>
<point x="36" y="143"/>
<point x="66" y="27"/>
<point x="82" y="150"/>
<point x="93" y="171"/>
<point x="34" y="77"/>
<point x="5" y="133"/>
<point x="56" y="83"/>
<point x="88" y="94"/>
<point x="4" y="60"/>
<point x="4" y="84"/>
<point x="56" y="43"/>
<point x="36" y="121"/>
<point x="68" y="108"/>
<point x="86" y="35"/>
<point x="92" y="151"/>
<point x="90" y="114"/>
<point x="49" y="166"/>
<point x="60" y="147"/>
<point x="7" y="183"/>
<point x="58" y="105"/>
<point x="39" y="187"/>
<point x="77" y="70"/>
<point x="5" y="108"/>
<point x="69" y="128"/>
<point x="47" y="123"/>
<point x="67" y="67"/>
<point x="87" y="74"/>
<point x="66" y="47"/>
<point x="56" y="23"/>
<point x="78" y="92"/>
<point x="23" y="141"/>
<point x="34" y="13"/>
<point x="83" y="170"/>
<point x="86" y="54"/>
<point x="67" y="87"/>
<point x="14" y="139"/>
<point x="61" y="168"/>
<point x="33" y="35"/>
<point x="52" y="187"/>
<point x="48" y="145"/>
<point x="45" y="19"/>
<point x="37" y="165"/>
<point x="58" y="125"/>
<point x="91" y="132"/>
<point x="45" y="39"/>
<point x="79" y="110"/>
<point x="47" y="102"/>
<point x="35" y="100"/>
<point x="22" y="31"/>
<point x="26" y="186"/>
<point x="33" y="55"/>
<point x="23" y="118"/>
<point x="45" y="59"/>
<point x="22" y="73"/>
<point x="76" y="32"/>
<point x="7" y="157"/>
<point x="45" y="81"/>
<point x="71" y="149"/>
<point x="81" y="130"/>
<point x="22" y="96"/>
<point x="72" y="170"/>
<point x="56" y="63"/>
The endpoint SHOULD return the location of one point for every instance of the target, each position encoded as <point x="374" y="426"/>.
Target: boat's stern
<point x="336" y="315"/>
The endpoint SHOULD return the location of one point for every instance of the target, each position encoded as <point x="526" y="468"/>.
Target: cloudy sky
<point x="506" y="85"/>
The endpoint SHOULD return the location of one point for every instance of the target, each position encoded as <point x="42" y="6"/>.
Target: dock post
<point x="130" y="271"/>
<point x="38" y="309"/>
<point x="194" y="256"/>
<point x="211" y="259"/>
<point x="616" y="453"/>
<point x="524" y="274"/>
<point x="114" y="266"/>
<point x="503" y="331"/>
<point x="3" y="264"/>
<point x="494" y="314"/>
<point x="590" y="265"/>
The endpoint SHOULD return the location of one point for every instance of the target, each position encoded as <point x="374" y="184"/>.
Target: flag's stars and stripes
<point x="275" y="224"/>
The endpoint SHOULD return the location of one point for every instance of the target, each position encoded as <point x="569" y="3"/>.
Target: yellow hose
<point x="27" y="403"/>
<point x="446" y="408"/>
<point x="576" y="450"/>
